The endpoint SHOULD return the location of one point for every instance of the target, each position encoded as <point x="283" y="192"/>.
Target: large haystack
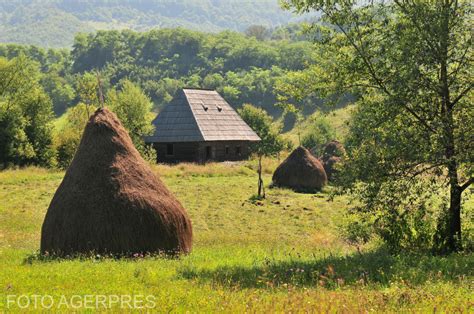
<point x="301" y="171"/>
<point x="109" y="201"/>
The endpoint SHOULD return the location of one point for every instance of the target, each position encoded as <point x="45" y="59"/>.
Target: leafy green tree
<point x="69" y="132"/>
<point x="62" y="94"/>
<point x="162" y="91"/>
<point x="87" y="88"/>
<point x="410" y="63"/>
<point x="271" y="141"/>
<point x="318" y="133"/>
<point x="25" y="115"/>
<point x="133" y="108"/>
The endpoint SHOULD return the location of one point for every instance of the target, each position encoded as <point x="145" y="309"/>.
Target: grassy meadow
<point x="281" y="254"/>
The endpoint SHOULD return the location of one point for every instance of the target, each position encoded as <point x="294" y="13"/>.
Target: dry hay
<point x="110" y="202"/>
<point x="301" y="171"/>
<point x="330" y="166"/>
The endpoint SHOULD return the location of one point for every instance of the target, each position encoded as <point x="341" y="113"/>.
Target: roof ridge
<point x="199" y="88"/>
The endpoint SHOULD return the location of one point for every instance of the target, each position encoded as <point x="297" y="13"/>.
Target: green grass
<point x="280" y="254"/>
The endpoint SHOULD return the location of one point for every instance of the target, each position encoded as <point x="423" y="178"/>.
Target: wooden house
<point x="198" y="125"/>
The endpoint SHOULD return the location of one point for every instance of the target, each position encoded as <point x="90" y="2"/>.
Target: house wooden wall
<point x="203" y="151"/>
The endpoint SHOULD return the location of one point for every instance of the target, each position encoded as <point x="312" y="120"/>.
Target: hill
<point x="241" y="68"/>
<point x="53" y="23"/>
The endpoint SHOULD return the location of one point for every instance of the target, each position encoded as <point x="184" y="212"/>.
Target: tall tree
<point x="410" y="63"/>
<point x="271" y="141"/>
<point x="25" y="115"/>
<point x="260" y="32"/>
<point x="133" y="108"/>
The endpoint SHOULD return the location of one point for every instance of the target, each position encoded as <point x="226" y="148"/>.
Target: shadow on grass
<point x="46" y="258"/>
<point x="378" y="267"/>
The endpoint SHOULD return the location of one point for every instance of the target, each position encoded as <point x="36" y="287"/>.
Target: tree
<point x="410" y="63"/>
<point x="69" y="132"/>
<point x="318" y="133"/>
<point x="25" y="115"/>
<point x="271" y="141"/>
<point x="260" y="32"/>
<point x="133" y="108"/>
<point x="61" y="93"/>
<point x="87" y="87"/>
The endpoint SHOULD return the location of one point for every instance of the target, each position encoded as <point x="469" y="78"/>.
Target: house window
<point x="238" y="150"/>
<point x="227" y="150"/>
<point x="169" y="149"/>
<point x="208" y="152"/>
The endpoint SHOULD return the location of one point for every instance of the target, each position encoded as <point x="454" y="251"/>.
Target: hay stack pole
<point x="110" y="202"/>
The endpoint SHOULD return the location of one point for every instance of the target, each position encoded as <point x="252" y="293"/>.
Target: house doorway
<point x="208" y="152"/>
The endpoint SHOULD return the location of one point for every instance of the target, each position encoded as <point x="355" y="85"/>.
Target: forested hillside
<point x="139" y="72"/>
<point x="241" y="68"/>
<point x="51" y="23"/>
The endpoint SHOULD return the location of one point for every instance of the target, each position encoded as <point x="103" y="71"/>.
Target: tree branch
<point x="467" y="184"/>
<point x="420" y="29"/>
<point x="461" y="95"/>
<point x="462" y="61"/>
<point x="373" y="74"/>
<point x="420" y="171"/>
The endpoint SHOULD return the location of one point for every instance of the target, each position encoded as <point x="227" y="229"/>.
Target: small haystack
<point x="110" y="202"/>
<point x="332" y="155"/>
<point x="333" y="148"/>
<point x="301" y="171"/>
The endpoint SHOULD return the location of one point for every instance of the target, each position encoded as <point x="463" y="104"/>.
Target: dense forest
<point x="51" y="23"/>
<point x="242" y="68"/>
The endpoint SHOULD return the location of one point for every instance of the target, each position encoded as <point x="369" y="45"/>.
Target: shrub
<point x="318" y="133"/>
<point x="68" y="134"/>
<point x="402" y="214"/>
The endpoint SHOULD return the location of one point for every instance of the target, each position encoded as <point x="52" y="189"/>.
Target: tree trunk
<point x="261" y="188"/>
<point x="453" y="241"/>
<point x="450" y="233"/>
<point x="451" y="237"/>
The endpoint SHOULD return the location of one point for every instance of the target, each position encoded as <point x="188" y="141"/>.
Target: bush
<point x="403" y="214"/>
<point x="147" y="152"/>
<point x="66" y="145"/>
<point x="318" y="133"/>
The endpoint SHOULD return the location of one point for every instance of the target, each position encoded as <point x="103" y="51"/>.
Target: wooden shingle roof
<point x="198" y="115"/>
